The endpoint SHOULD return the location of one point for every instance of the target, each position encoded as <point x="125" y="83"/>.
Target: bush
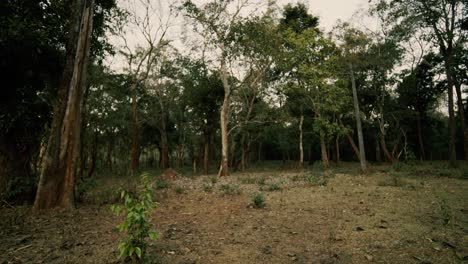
<point x="179" y="190"/>
<point x="162" y="184"/>
<point x="230" y="189"/>
<point x="136" y="226"/>
<point x="213" y="179"/>
<point x="273" y="186"/>
<point x="208" y="188"/>
<point x="84" y="186"/>
<point x="258" y="200"/>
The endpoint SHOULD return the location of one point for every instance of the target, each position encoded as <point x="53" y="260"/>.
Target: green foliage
<point x="230" y="189"/>
<point x="136" y="226"/>
<point x="312" y="179"/>
<point x="208" y="188"/>
<point x="258" y="200"/>
<point x="273" y="186"/>
<point x="213" y="179"/>
<point x="84" y="186"/>
<point x="180" y="190"/>
<point x="162" y="184"/>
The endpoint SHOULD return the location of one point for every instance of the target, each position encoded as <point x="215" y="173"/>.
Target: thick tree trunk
<point x="362" y="153"/>
<point x="422" y="152"/>
<point x="301" y="148"/>
<point x="57" y="181"/>
<point x="224" y="114"/>
<point x="323" y="148"/>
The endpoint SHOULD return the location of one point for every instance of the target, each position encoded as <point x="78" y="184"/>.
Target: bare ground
<point x="340" y="218"/>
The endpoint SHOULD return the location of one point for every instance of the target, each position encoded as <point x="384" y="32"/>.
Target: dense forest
<point x="113" y="102"/>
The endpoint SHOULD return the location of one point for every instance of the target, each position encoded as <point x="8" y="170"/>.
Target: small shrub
<point x="213" y="179"/>
<point x="297" y="178"/>
<point x="208" y="188"/>
<point x="258" y="200"/>
<point x="273" y="186"/>
<point x="162" y="184"/>
<point x="84" y="186"/>
<point x="230" y="189"/>
<point x="136" y="226"/>
<point x="261" y="181"/>
<point x="312" y="180"/>
<point x="393" y="180"/>
<point x="180" y="190"/>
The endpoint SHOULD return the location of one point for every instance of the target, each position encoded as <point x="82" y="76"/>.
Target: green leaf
<point x="138" y="252"/>
<point x="153" y="235"/>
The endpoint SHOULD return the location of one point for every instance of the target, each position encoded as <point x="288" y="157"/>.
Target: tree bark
<point x="224" y="113"/>
<point x="362" y="153"/>
<point x="301" y="148"/>
<point x="323" y="148"/>
<point x="422" y="152"/>
<point x="378" y="154"/>
<point x="206" y="153"/>
<point x="135" y="152"/>
<point x="461" y="114"/>
<point x="452" y="127"/>
<point x="94" y="150"/>
<point x="57" y="181"/>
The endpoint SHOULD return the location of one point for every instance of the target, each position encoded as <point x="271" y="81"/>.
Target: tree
<point x="443" y="21"/>
<point x="141" y="59"/>
<point x="57" y="181"/>
<point x="354" y="45"/>
<point x="216" y="22"/>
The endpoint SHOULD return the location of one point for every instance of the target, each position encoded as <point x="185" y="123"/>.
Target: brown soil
<point x="341" y="219"/>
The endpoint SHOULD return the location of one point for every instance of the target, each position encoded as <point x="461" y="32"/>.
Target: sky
<point x="329" y="11"/>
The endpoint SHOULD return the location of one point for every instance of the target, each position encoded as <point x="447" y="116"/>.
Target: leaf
<point x="138" y="252"/>
<point x="153" y="235"/>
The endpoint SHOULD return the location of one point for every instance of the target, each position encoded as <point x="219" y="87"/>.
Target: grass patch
<point x="230" y="189"/>
<point x="272" y="186"/>
<point x="208" y="188"/>
<point x="180" y="190"/>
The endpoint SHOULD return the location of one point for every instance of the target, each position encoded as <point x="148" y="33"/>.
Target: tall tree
<point x="443" y="21"/>
<point x="57" y="181"/>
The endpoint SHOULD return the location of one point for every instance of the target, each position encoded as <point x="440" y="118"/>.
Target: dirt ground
<point x="315" y="217"/>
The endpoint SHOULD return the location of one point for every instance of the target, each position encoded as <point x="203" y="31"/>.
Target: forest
<point x="243" y="131"/>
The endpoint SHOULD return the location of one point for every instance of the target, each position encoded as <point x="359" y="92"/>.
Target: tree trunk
<point x="383" y="144"/>
<point x="164" y="162"/>
<point x="135" y="153"/>
<point x="362" y="153"/>
<point x="206" y="154"/>
<point x="461" y="114"/>
<point x="301" y="148"/>
<point x="337" y="149"/>
<point x="109" y="155"/>
<point x="13" y="163"/>
<point x="378" y="154"/>
<point x="243" y="152"/>
<point x="224" y="113"/>
<point x="94" y="150"/>
<point x="57" y="181"/>
<point x="452" y="128"/>
<point x="422" y="152"/>
<point x="323" y="148"/>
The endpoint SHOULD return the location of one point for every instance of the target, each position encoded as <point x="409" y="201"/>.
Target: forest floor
<point x="402" y="214"/>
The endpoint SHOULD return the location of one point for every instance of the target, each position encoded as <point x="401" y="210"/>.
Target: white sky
<point x="329" y="11"/>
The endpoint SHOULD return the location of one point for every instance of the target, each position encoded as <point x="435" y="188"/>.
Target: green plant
<point x="161" y="184"/>
<point x="230" y="189"/>
<point x="258" y="200"/>
<point x="273" y="186"/>
<point x="208" y="188"/>
<point x="213" y="179"/>
<point x="312" y="180"/>
<point x="180" y="190"/>
<point x="84" y="186"/>
<point x="136" y="209"/>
